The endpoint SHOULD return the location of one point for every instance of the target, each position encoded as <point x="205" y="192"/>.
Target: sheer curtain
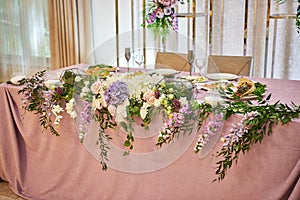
<point x="43" y="34"/>
<point x="24" y="37"/>
<point x="70" y="32"/>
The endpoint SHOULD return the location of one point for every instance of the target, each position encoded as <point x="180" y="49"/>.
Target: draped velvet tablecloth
<point x="40" y="166"/>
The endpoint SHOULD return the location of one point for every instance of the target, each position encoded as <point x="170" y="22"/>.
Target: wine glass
<point x="127" y="56"/>
<point x="139" y="59"/>
<point x="199" y="68"/>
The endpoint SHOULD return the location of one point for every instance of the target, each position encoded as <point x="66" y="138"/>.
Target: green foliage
<point x="104" y="120"/>
<point x="261" y="125"/>
<point x="33" y="90"/>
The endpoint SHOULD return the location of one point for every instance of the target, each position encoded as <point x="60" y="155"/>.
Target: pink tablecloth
<point x="41" y="166"/>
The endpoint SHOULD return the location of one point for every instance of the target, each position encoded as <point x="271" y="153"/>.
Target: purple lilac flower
<point x="237" y="132"/>
<point x="169" y="127"/>
<point x="212" y="128"/>
<point x="185" y="110"/>
<point x="85" y="120"/>
<point x="47" y="103"/>
<point x="116" y="93"/>
<point x="151" y="18"/>
<point x="174" y="23"/>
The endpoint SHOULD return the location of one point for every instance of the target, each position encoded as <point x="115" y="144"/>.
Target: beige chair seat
<point x="169" y="60"/>
<point x="239" y="65"/>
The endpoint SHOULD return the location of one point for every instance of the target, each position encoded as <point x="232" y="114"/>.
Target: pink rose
<point x="149" y="97"/>
<point x="97" y="87"/>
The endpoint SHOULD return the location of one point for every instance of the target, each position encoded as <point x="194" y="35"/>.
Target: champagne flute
<point x="127" y="56"/>
<point x="139" y="59"/>
<point x="191" y="60"/>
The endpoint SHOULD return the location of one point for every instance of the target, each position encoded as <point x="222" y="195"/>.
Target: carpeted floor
<point x="6" y="193"/>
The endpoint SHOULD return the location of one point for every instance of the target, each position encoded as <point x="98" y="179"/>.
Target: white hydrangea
<point x="121" y="113"/>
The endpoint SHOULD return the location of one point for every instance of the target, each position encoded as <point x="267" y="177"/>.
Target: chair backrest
<point x="172" y="60"/>
<point x="239" y="65"/>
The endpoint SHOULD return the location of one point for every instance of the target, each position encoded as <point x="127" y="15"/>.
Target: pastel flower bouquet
<point x="160" y="17"/>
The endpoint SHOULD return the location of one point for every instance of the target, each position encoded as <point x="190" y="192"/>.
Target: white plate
<point x="196" y="79"/>
<point x="164" y="72"/>
<point x="213" y="85"/>
<point x="51" y="84"/>
<point x="15" y="80"/>
<point x="221" y="76"/>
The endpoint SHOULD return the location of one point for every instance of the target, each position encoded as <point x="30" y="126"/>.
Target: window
<point x="24" y="36"/>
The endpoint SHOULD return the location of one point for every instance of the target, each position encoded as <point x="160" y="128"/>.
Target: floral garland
<point x="115" y="101"/>
<point x="160" y="17"/>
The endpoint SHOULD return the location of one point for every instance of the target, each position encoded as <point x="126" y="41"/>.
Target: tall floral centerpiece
<point x="160" y="17"/>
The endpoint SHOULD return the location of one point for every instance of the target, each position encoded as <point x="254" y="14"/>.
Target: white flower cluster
<point x="138" y="82"/>
<point x="85" y="90"/>
<point x="70" y="108"/>
<point x="56" y="110"/>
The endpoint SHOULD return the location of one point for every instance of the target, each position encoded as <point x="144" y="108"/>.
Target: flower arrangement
<point x="160" y="17"/>
<point x="116" y="100"/>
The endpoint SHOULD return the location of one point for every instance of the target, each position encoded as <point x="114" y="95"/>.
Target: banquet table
<point x="40" y="166"/>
